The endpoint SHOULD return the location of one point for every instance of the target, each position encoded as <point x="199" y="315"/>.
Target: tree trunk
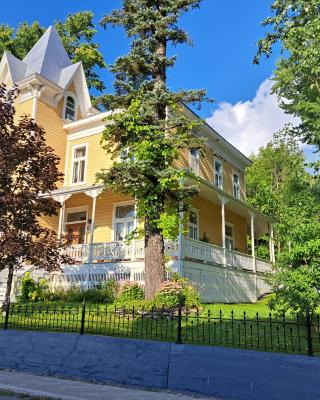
<point x="154" y="272"/>
<point x="9" y="287"/>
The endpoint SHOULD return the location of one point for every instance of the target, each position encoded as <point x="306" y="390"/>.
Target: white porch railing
<point x="191" y="249"/>
<point x="239" y="260"/>
<point x="202" y="251"/>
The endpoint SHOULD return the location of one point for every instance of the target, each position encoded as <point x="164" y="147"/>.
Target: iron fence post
<point x="309" y="333"/>
<point x="179" y="327"/>
<point x="6" y="318"/>
<point x="83" y="316"/>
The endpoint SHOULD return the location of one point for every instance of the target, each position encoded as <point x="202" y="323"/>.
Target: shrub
<point x="103" y="293"/>
<point x="32" y="291"/>
<point x="130" y="291"/>
<point x="176" y="290"/>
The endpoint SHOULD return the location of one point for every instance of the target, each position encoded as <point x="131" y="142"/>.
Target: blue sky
<point x="224" y="33"/>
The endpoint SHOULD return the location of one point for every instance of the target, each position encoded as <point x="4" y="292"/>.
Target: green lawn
<point x="213" y="325"/>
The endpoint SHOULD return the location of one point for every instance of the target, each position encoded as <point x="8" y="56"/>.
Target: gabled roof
<point x="47" y="58"/>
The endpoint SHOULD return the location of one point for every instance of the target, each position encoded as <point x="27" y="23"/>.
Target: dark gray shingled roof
<point x="47" y="58"/>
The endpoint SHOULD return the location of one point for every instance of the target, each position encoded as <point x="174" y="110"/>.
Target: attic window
<point x="70" y="109"/>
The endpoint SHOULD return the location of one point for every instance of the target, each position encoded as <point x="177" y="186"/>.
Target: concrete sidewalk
<point x="64" y="389"/>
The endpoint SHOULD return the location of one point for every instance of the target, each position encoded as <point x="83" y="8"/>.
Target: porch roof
<point x="73" y="190"/>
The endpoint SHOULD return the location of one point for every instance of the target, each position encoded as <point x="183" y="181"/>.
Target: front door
<point x="75" y="227"/>
<point x="76" y="233"/>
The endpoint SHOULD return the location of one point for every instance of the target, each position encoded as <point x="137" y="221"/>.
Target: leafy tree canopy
<point x="76" y="32"/>
<point x="27" y="168"/>
<point x="278" y="184"/>
<point x="295" y="25"/>
<point x="147" y="135"/>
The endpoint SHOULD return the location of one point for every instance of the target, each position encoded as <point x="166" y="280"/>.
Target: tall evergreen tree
<point x="150" y="128"/>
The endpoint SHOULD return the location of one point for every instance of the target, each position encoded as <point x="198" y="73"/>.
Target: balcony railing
<point x="191" y="249"/>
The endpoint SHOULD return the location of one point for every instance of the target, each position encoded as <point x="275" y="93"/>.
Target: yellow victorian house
<point x="214" y="252"/>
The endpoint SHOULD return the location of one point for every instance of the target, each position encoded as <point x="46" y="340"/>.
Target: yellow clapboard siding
<point x="210" y="224"/>
<point x="97" y="158"/>
<point x="49" y="118"/>
<point x="104" y="212"/>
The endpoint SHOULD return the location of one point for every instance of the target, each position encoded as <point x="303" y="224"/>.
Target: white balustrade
<point x="239" y="260"/>
<point x="263" y="266"/>
<point x="192" y="249"/>
<point x="79" y="252"/>
<point x="202" y="251"/>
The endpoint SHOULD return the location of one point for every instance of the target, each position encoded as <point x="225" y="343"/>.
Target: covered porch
<point x="95" y="225"/>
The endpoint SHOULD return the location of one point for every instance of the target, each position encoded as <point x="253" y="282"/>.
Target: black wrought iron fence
<point x="297" y="335"/>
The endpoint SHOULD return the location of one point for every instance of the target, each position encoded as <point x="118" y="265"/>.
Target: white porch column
<point x="253" y="250"/>
<point x="180" y="243"/>
<point x="223" y="201"/>
<point x="253" y="253"/>
<point x="94" y="193"/>
<point x="271" y="244"/>
<point x="133" y="244"/>
<point x="61" y="198"/>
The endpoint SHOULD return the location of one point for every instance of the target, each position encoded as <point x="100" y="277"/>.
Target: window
<point x="77" y="216"/>
<point x="79" y="164"/>
<point x="123" y="223"/>
<point x="229" y="240"/>
<point x="70" y="109"/>
<point x="236" y="185"/>
<point x="195" y="161"/>
<point x="218" y="173"/>
<point x="194" y="225"/>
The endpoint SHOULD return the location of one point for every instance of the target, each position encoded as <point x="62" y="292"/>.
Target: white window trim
<point x="234" y="172"/>
<point x="214" y="172"/>
<point x="75" y="147"/>
<point x="197" y="163"/>
<point x="230" y="237"/>
<point x="70" y="94"/>
<point x="72" y="210"/>
<point x="114" y="219"/>
<point x="196" y="211"/>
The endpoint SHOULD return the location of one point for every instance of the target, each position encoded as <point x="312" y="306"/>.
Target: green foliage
<point x="150" y="125"/>
<point x="76" y="32"/>
<point x="296" y="289"/>
<point x="295" y="25"/>
<point x="32" y="291"/>
<point x="130" y="291"/>
<point x="174" y="291"/>
<point x="279" y="185"/>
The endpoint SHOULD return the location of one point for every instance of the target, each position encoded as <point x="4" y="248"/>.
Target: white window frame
<point x="72" y="210"/>
<point x="115" y="220"/>
<point x="194" y="162"/>
<point x="233" y="184"/>
<point x="73" y="160"/>
<point x="196" y="211"/>
<point x="217" y="160"/>
<point x="70" y="94"/>
<point x="230" y="237"/>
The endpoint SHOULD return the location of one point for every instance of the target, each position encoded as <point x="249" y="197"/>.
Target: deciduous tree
<point x="150" y="129"/>
<point x="295" y="27"/>
<point x="279" y="185"/>
<point x="28" y="168"/>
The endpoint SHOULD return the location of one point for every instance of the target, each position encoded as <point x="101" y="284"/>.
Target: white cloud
<point x="248" y="125"/>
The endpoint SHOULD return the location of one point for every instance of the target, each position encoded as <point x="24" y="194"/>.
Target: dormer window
<point x="70" y="108"/>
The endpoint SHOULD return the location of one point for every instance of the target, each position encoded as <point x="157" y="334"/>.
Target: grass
<point x="208" y="327"/>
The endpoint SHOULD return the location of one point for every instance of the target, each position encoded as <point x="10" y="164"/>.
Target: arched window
<point x="70" y="109"/>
